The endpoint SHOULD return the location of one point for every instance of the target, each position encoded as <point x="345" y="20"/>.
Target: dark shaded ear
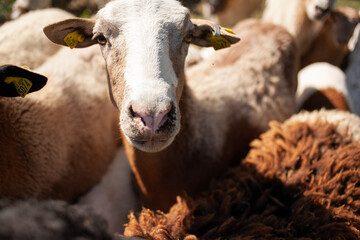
<point x="207" y="34"/>
<point x="73" y="32"/>
<point x="17" y="81"/>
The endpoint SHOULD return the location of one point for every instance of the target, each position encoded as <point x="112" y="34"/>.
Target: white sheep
<point x="173" y="127"/>
<point x="322" y="85"/>
<point x="229" y="12"/>
<point x="304" y="19"/>
<point x="22" y="6"/>
<point x="22" y="41"/>
<point x="58" y="142"/>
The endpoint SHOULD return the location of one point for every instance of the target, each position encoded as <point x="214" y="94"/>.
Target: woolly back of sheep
<point x="300" y="181"/>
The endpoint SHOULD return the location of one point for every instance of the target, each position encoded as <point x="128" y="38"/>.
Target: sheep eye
<point x="188" y="38"/>
<point x="101" y="39"/>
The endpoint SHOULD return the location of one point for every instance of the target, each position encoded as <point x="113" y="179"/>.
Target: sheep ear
<point x="73" y="32"/>
<point x="207" y="34"/>
<point x="19" y="81"/>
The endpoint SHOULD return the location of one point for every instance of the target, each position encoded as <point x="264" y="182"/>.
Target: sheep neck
<point x="162" y="176"/>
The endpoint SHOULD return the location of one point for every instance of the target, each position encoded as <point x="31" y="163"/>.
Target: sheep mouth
<point x="321" y="12"/>
<point x="151" y="145"/>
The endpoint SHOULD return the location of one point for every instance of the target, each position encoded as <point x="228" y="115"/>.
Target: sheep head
<point x="144" y="44"/>
<point x="344" y="21"/>
<point x="318" y="9"/>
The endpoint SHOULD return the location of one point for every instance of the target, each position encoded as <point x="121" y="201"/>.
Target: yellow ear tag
<point x="218" y="42"/>
<point x="26" y="67"/>
<point x="229" y="30"/>
<point x="73" y="38"/>
<point x="22" y="85"/>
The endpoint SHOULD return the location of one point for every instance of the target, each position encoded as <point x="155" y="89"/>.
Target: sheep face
<point x="344" y="20"/>
<point x="144" y="48"/>
<point x="318" y="9"/>
<point x="144" y="44"/>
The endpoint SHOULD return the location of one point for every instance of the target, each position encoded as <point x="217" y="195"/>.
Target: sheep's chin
<point x="150" y="146"/>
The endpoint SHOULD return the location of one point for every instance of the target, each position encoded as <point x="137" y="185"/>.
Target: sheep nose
<point x="150" y="119"/>
<point x="321" y="10"/>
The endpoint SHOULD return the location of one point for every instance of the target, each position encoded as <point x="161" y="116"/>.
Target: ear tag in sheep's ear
<point x="73" y="38"/>
<point x="22" y="85"/>
<point x="26" y="67"/>
<point x="229" y="30"/>
<point x="218" y="41"/>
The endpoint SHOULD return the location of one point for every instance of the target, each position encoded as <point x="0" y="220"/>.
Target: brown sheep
<point x="300" y="180"/>
<point x="229" y="12"/>
<point x="331" y="45"/>
<point x="58" y="142"/>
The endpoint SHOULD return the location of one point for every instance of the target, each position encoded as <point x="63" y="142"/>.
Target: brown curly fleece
<point x="299" y="181"/>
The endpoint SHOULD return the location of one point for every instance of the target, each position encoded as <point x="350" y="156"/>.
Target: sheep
<point x="76" y="7"/>
<point x="300" y="180"/>
<point x="322" y="85"/>
<point x="23" y="6"/>
<point x="44" y="220"/>
<point x="331" y="45"/>
<point x="304" y="19"/>
<point x="230" y="103"/>
<point x="229" y="12"/>
<point x="58" y="142"/>
<point x="352" y="78"/>
<point x="114" y="197"/>
<point x="22" y="41"/>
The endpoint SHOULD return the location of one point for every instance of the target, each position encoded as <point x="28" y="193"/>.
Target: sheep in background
<point x="22" y="41"/>
<point x="352" y="78"/>
<point x="331" y="45"/>
<point x="114" y="197"/>
<point x="300" y="180"/>
<point x="322" y="85"/>
<point x="304" y="19"/>
<point x="74" y="6"/>
<point x="58" y="142"/>
<point x="229" y="12"/>
<point x="23" y="6"/>
<point x="45" y="220"/>
<point x="214" y="108"/>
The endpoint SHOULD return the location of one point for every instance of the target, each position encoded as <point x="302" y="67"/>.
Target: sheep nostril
<point x="150" y="120"/>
